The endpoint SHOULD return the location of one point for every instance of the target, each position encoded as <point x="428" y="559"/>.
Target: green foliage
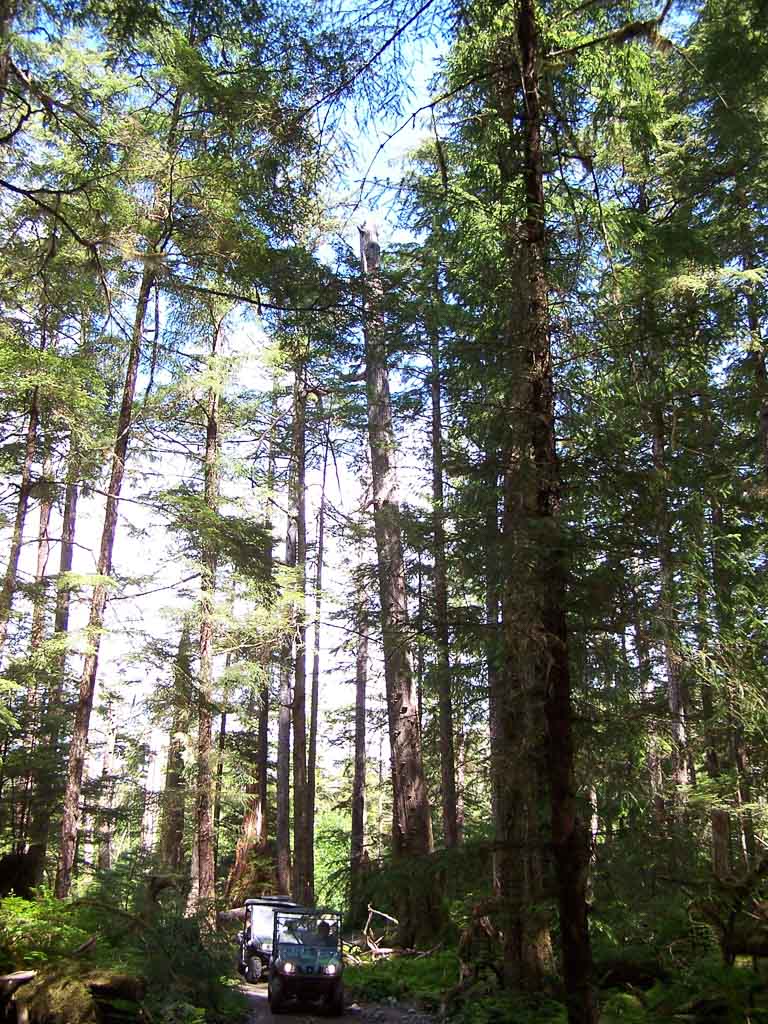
<point x="332" y="857"/>
<point x="708" y="988"/>
<point x="506" y="1008"/>
<point x="241" y="540"/>
<point x="623" y="1007"/>
<point x="8" y="687"/>
<point x="39" y="931"/>
<point x="187" y="975"/>
<point x="422" y="980"/>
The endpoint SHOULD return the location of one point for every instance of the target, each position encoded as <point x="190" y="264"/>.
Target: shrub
<point x="187" y="975"/>
<point x="504" y="1008"/>
<point x="423" y="980"/>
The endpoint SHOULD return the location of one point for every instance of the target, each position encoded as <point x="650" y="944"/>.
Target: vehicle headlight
<point x="289" y="967"/>
<point x="331" y="968"/>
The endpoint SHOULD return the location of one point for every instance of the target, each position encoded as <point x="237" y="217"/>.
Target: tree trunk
<point x="535" y="714"/>
<point x="750" y="260"/>
<point x="733" y="700"/>
<point x="681" y="775"/>
<point x="219" y="785"/>
<point x="193" y="899"/>
<point x="7" y="14"/>
<point x="253" y="835"/>
<point x="315" y="697"/>
<point x="445" y="699"/>
<point x="287" y="670"/>
<point x="77" y="750"/>
<point x="283" y="811"/>
<point x="64" y="593"/>
<point x="104" y="856"/>
<point x="37" y="634"/>
<point x="297" y="501"/>
<point x="493" y="653"/>
<point x="8" y="588"/>
<point x="171" y="844"/>
<point x="721" y="844"/>
<point x="33" y="739"/>
<point x="47" y="793"/>
<point x="254" y="831"/>
<point x="205" y="834"/>
<point x="569" y="837"/>
<point x="412" y="824"/>
<point x="357" y="836"/>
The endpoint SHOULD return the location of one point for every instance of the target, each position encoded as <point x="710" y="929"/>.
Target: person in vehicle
<point x="323" y="936"/>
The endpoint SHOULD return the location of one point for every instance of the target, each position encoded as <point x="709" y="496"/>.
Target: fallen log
<point x="10" y="983"/>
<point x="228" y="917"/>
<point x="65" y="994"/>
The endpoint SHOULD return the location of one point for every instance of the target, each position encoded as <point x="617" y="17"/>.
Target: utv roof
<point x="294" y="908"/>
<point x="267" y="900"/>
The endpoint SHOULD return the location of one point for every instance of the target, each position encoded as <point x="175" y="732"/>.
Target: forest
<point x="384" y="502"/>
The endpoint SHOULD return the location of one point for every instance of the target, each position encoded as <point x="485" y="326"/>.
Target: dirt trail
<point x="307" y="1014"/>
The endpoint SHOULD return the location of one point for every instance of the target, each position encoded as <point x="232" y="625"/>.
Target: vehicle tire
<point x="276" y="995"/>
<point x="253" y="970"/>
<point x="334" y="1001"/>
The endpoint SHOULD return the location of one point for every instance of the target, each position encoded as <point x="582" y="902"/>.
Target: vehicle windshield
<point x="260" y="922"/>
<point x="306" y="936"/>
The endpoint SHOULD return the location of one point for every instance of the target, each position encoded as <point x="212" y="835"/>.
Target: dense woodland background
<point x="518" y="696"/>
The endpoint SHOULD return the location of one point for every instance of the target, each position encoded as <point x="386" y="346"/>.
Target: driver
<point x="323" y="936"/>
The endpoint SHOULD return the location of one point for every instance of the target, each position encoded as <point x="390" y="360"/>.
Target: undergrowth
<point x="423" y="980"/>
<point x="706" y="992"/>
<point x="187" y="975"/>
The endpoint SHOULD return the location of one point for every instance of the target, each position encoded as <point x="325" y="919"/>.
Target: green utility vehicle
<point x="307" y="959"/>
<point x="255" y="940"/>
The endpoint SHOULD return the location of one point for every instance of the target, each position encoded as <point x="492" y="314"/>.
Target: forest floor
<point x="306" y="1014"/>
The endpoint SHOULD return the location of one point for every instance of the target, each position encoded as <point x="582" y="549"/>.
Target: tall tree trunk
<point x="8" y="588"/>
<point x="357" y="836"/>
<point x="287" y="673"/>
<point x="253" y="834"/>
<point x="52" y="722"/>
<point x="66" y="556"/>
<point x="283" y="809"/>
<point x="77" y="750"/>
<point x="445" y="698"/>
<point x="412" y="822"/>
<point x="7" y="14"/>
<point x="493" y="651"/>
<point x="536" y="711"/>
<point x="205" y="835"/>
<point x="37" y="634"/>
<point x="750" y="260"/>
<point x="315" y="696"/>
<point x="175" y="789"/>
<point x="302" y="839"/>
<point x="33" y="737"/>
<point x="676" y="697"/>
<point x="219" y="785"/>
<point x="193" y="899"/>
<point x="737" y="748"/>
<point x="104" y="856"/>
<point x="149" y="816"/>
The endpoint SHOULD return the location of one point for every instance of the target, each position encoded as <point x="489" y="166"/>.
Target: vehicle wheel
<point x="253" y="970"/>
<point x="276" y="995"/>
<point x="334" y="1001"/>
